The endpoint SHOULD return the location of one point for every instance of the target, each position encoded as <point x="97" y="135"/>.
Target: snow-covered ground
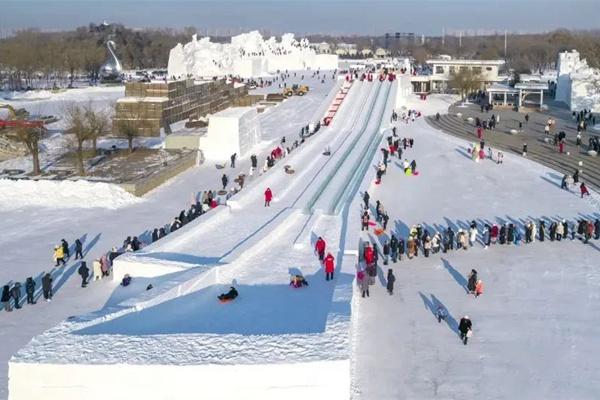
<point x="534" y="326"/>
<point x="270" y="323"/>
<point x="534" y="322"/>
<point x="30" y="232"/>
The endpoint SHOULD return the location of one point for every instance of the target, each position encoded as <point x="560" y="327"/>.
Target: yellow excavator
<point x="20" y="113"/>
<point x="295" y="89"/>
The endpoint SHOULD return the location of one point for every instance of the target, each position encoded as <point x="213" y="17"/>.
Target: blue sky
<point x="310" y="16"/>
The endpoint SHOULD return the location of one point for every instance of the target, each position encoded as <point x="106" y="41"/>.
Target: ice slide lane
<point x="353" y="165"/>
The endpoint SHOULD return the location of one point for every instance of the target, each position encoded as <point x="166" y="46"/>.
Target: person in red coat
<point x="329" y="266"/>
<point x="494" y="233"/>
<point x="369" y="256"/>
<point x="268" y="197"/>
<point x="320" y="248"/>
<point x="584" y="190"/>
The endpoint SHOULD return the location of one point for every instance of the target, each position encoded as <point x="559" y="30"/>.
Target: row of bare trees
<point x="56" y="58"/>
<point x="85" y="124"/>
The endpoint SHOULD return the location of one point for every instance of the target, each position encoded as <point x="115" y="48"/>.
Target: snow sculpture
<point x="577" y="84"/>
<point x="234" y="130"/>
<point x="248" y="55"/>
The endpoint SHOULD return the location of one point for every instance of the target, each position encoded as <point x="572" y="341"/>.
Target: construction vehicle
<point x="295" y="89"/>
<point x="21" y="113"/>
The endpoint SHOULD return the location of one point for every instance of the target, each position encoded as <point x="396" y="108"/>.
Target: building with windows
<point x="443" y="69"/>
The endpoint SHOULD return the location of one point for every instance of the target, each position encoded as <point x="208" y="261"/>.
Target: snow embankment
<point x="63" y="194"/>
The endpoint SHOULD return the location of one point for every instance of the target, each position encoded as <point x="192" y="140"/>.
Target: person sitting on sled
<point x="232" y="294"/>
<point x="298" y="281"/>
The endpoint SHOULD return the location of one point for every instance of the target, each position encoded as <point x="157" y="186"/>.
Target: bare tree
<point x="30" y="137"/>
<point x="129" y="130"/>
<point x="77" y="125"/>
<point x="465" y="81"/>
<point x="98" y="122"/>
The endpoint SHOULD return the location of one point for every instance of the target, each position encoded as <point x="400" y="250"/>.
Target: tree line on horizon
<point x="59" y="57"/>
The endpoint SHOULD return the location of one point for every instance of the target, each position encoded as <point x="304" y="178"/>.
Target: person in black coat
<point x="65" y="247"/>
<point x="552" y="231"/>
<point x="502" y="235"/>
<point x="464" y="327"/>
<point x="162" y="233"/>
<point x="5" y="299"/>
<point x="390" y="282"/>
<point x="394" y="248"/>
<point x="400" y="248"/>
<point x="15" y="293"/>
<point x="154" y="235"/>
<point x="472" y="281"/>
<point x="78" y="249"/>
<point x="366" y="198"/>
<point x="182" y="218"/>
<point x="224" y="181"/>
<point x="450" y="235"/>
<point x="386" y="252"/>
<point x="510" y="235"/>
<point x="597" y="229"/>
<point x="47" y="287"/>
<point x="84" y="272"/>
<point x="542" y="231"/>
<point x="30" y="290"/>
<point x="135" y="244"/>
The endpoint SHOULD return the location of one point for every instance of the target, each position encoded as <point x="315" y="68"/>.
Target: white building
<point x="577" y="84"/>
<point x="444" y="67"/>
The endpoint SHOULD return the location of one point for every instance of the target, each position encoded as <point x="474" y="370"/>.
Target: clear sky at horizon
<point x="426" y="17"/>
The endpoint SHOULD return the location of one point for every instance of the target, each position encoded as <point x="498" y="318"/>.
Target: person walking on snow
<point x="329" y="266"/>
<point x="472" y="281"/>
<point x="584" y="190"/>
<point x="472" y="235"/>
<point x="366" y="198"/>
<point x="59" y="256"/>
<point x="78" y="249"/>
<point x="233" y="156"/>
<point x="30" y="290"/>
<point x="390" y="282"/>
<point x="47" y="287"/>
<point x="363" y="283"/>
<point x="320" y="248"/>
<point x="65" y="248"/>
<point x="224" y="181"/>
<point x="84" y="272"/>
<point x="465" y="329"/>
<point x="6" y="298"/>
<point x="268" y="197"/>
<point x="365" y="221"/>
<point x="15" y="293"/>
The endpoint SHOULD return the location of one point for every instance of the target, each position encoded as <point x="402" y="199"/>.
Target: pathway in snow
<point x="535" y="321"/>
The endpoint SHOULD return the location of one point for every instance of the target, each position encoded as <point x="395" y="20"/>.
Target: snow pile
<point x="29" y="95"/>
<point x="63" y="194"/>
<point x="247" y="55"/>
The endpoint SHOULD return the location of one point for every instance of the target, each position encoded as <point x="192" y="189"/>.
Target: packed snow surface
<point x="16" y="194"/>
<point x="41" y="228"/>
